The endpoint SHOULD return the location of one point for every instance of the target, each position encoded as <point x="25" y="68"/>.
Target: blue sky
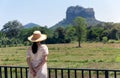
<point x="50" y="12"/>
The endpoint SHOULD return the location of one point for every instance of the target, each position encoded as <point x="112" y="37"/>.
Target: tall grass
<point x="91" y="55"/>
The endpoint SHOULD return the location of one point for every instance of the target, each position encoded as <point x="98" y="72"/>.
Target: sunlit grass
<point x="91" y="55"/>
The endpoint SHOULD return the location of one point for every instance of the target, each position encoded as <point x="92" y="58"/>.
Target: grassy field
<point x="91" y="55"/>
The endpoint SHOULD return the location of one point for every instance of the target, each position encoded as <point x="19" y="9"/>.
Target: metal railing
<point x="21" y="72"/>
<point x="13" y="72"/>
<point x="82" y="73"/>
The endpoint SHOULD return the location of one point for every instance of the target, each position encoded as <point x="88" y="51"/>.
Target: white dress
<point x="36" y="59"/>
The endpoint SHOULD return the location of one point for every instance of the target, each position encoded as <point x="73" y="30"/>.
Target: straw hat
<point x="37" y="36"/>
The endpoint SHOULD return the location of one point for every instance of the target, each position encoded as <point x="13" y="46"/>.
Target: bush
<point x="111" y="41"/>
<point x="114" y="41"/>
<point x="104" y="39"/>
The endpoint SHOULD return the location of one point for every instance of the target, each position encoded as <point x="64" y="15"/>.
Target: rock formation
<point x="75" y="11"/>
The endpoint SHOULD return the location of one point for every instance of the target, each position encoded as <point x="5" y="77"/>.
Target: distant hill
<point x="75" y="11"/>
<point x="31" y="25"/>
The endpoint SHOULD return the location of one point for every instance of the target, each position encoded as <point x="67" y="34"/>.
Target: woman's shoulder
<point x="44" y="46"/>
<point x="45" y="49"/>
<point x="29" y="47"/>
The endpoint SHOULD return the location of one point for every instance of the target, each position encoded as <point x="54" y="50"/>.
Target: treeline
<point x="14" y="34"/>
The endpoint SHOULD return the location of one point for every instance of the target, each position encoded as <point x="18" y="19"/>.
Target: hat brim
<point x="42" y="38"/>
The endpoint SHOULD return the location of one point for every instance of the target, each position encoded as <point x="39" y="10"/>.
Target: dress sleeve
<point x="46" y="52"/>
<point x="28" y="52"/>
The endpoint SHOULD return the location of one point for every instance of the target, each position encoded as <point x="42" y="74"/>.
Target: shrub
<point x="104" y="39"/>
<point x="114" y="41"/>
<point x="111" y="41"/>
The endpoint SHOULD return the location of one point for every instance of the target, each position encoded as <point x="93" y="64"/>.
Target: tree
<point x="80" y="25"/>
<point x="2" y="35"/>
<point x="112" y="30"/>
<point x="59" y="35"/>
<point x="118" y="35"/>
<point x="25" y="33"/>
<point x="70" y="33"/>
<point x="94" y="33"/>
<point x="12" y="28"/>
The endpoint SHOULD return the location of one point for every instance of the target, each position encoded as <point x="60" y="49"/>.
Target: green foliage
<point x="60" y="36"/>
<point x="25" y="33"/>
<point x="12" y="28"/>
<point x="104" y="40"/>
<point x="112" y="30"/>
<point x="13" y="33"/>
<point x="113" y="41"/>
<point x="94" y="33"/>
<point x="80" y="25"/>
<point x="70" y="33"/>
<point x="109" y="29"/>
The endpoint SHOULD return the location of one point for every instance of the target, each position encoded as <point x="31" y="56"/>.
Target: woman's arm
<point x="28" y="62"/>
<point x="30" y="66"/>
<point x="41" y="63"/>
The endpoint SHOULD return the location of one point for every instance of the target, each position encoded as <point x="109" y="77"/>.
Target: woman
<point x="37" y="56"/>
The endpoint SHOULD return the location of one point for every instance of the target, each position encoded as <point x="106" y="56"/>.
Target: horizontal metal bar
<point x="85" y="69"/>
<point x="56" y="71"/>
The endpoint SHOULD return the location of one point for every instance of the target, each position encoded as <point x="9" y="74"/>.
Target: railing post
<point x="49" y="73"/>
<point x="82" y="73"/>
<point x="106" y="74"/>
<point x="21" y="73"/>
<point x="0" y="72"/>
<point x="115" y="75"/>
<point x="55" y="73"/>
<point x="5" y="72"/>
<point x="16" y="73"/>
<point x="97" y="73"/>
<point x="75" y="73"/>
<point x="62" y="73"/>
<point x="68" y="73"/>
<point x="89" y="73"/>
<point x="10" y="72"/>
<point x="26" y="72"/>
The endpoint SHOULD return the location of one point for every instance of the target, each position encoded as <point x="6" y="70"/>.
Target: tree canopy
<point x="12" y="28"/>
<point x="13" y="33"/>
<point x="80" y="25"/>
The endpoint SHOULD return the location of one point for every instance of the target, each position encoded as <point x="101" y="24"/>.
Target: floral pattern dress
<point x="36" y="59"/>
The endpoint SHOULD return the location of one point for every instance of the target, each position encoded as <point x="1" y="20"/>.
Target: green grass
<point x="91" y="55"/>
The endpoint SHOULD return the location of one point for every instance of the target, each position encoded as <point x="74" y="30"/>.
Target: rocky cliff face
<point x="75" y="11"/>
<point x="72" y="12"/>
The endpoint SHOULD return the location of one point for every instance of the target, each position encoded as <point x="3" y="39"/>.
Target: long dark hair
<point x="34" y="47"/>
